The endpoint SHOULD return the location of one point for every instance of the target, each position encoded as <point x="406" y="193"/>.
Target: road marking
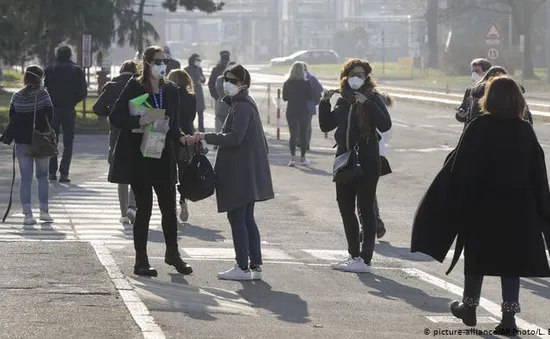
<point x="449" y="319"/>
<point x="490" y="306"/>
<point x="228" y="253"/>
<point x="149" y="328"/>
<point x="443" y="148"/>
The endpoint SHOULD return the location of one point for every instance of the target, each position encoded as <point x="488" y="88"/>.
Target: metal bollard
<point x="278" y="114"/>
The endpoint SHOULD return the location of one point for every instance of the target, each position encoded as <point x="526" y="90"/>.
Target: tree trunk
<point x="528" y="70"/>
<point x="433" y="46"/>
<point x="139" y="35"/>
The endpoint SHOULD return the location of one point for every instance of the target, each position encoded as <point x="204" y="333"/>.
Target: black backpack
<point x="199" y="181"/>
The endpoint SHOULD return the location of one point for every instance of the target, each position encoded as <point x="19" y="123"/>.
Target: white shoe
<point x="124" y="220"/>
<point x="236" y="273"/>
<point x="357" y="265"/>
<point x="257" y="273"/>
<point x="184" y="212"/>
<point x="341" y="264"/>
<point x="29" y="220"/>
<point x="292" y="162"/>
<point x="305" y="162"/>
<point x="45" y="216"/>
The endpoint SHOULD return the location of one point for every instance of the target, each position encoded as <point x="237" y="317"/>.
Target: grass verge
<point x="85" y="124"/>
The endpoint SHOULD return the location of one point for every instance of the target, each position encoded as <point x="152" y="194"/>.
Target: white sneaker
<point x="236" y="273"/>
<point x="29" y="220"/>
<point x="184" y="212"/>
<point x="292" y="162"/>
<point x="305" y="162"/>
<point x="257" y="273"/>
<point x="124" y="220"/>
<point x="45" y="216"/>
<point x="357" y="265"/>
<point x="341" y="264"/>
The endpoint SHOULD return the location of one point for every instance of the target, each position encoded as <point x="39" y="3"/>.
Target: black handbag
<point x="346" y="166"/>
<point x="199" y="181"/>
<point x="44" y="144"/>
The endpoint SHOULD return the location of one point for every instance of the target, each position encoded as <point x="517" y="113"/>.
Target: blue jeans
<point x="246" y="236"/>
<point x="26" y="164"/>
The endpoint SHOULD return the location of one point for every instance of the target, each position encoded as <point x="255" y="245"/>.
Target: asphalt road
<point x="301" y="297"/>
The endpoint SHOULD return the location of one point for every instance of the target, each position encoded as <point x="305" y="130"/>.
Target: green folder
<point x="142" y="99"/>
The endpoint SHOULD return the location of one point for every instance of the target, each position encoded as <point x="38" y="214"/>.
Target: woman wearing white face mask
<point x="358" y="114"/>
<point x="243" y="175"/>
<point x="145" y="174"/>
<point x="195" y="71"/>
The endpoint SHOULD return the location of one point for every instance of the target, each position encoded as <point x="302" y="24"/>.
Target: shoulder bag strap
<point x="11" y="189"/>
<point x="34" y="114"/>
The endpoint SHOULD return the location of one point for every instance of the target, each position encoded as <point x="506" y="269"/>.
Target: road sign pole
<point x="522" y="50"/>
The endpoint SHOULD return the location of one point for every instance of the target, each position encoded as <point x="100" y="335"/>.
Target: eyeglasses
<point x="233" y="81"/>
<point x="159" y="62"/>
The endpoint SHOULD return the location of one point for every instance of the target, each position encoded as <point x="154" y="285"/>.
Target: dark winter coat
<point x="172" y="65"/>
<point x="187" y="111"/>
<point x="298" y="93"/>
<point x="242" y="168"/>
<point x="216" y="72"/>
<point x="198" y="79"/>
<point x="129" y="165"/>
<point x="492" y="195"/>
<point x="330" y="119"/>
<point x="66" y="83"/>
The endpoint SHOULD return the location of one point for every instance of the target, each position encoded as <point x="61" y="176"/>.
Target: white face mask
<point x="475" y="77"/>
<point x="158" y="71"/>
<point x="355" y="82"/>
<point x="230" y="89"/>
<point x="198" y="63"/>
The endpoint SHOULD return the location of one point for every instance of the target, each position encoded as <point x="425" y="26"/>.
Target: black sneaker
<point x="64" y="179"/>
<point x="380" y="228"/>
<point x="52" y="177"/>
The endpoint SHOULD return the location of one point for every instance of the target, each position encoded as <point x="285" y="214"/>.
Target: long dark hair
<point x="181" y="78"/>
<point x="145" y="66"/>
<point x="32" y="79"/>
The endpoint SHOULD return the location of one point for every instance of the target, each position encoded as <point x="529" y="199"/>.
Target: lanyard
<point x="160" y="99"/>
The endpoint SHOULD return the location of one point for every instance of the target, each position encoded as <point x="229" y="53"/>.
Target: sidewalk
<point x="59" y="290"/>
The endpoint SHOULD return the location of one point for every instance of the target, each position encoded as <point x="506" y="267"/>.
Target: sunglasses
<point x="159" y="62"/>
<point x="233" y="81"/>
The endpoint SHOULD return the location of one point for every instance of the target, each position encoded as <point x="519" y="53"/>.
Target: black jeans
<point x="200" y="116"/>
<point x="297" y="123"/>
<point x="308" y="134"/>
<point x="183" y="166"/>
<point x="64" y="119"/>
<point x="166" y="195"/>
<point x="364" y="190"/>
<point x="509" y="287"/>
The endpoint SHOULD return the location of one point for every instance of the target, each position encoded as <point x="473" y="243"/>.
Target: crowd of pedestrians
<point x="491" y="195"/>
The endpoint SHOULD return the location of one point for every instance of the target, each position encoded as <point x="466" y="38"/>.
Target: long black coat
<point x="129" y="165"/>
<point x="492" y="194"/>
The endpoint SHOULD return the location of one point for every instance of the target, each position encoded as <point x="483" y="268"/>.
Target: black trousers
<point x="64" y="120"/>
<point x="509" y="287"/>
<point x="297" y="124"/>
<point x="166" y="195"/>
<point x="362" y="189"/>
<point x="182" y="169"/>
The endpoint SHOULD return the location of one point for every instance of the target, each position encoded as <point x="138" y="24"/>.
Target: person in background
<point x="30" y="100"/>
<point x="222" y="108"/>
<point x="479" y="68"/>
<point x="218" y="70"/>
<point x="492" y="195"/>
<point x="148" y="174"/>
<point x="317" y="92"/>
<point x="366" y="110"/>
<point x="187" y="112"/>
<point x="103" y="107"/>
<point x="243" y="175"/>
<point x="297" y="92"/>
<point x="172" y="63"/>
<point x="66" y="83"/>
<point x="195" y="71"/>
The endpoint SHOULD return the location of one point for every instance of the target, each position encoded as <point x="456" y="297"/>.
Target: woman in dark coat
<point x="195" y="71"/>
<point x="366" y="110"/>
<point x="493" y="194"/>
<point x="243" y="175"/>
<point x="145" y="174"/>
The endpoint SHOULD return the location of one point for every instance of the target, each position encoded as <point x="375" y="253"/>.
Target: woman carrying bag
<point x="30" y="114"/>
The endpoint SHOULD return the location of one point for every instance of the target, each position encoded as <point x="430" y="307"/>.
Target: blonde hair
<point x="297" y="71"/>
<point x="182" y="79"/>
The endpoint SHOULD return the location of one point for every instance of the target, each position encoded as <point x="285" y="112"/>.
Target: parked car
<point x="312" y="57"/>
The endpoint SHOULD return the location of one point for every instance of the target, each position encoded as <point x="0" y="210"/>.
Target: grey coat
<point x="196" y="74"/>
<point x="222" y="108"/>
<point x="242" y="168"/>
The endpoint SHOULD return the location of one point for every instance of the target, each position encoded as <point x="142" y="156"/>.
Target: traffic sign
<point x="492" y="37"/>
<point x="86" y="51"/>
<point x="493" y="53"/>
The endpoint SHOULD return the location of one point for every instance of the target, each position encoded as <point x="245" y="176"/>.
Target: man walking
<point x="66" y="83"/>
<point x="478" y="67"/>
<point x="216" y="72"/>
<point x="172" y="63"/>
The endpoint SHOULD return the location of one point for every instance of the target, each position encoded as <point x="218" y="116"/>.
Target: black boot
<point x="507" y="326"/>
<point x="173" y="258"/>
<point x="380" y="228"/>
<point x="142" y="266"/>
<point x="466" y="311"/>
